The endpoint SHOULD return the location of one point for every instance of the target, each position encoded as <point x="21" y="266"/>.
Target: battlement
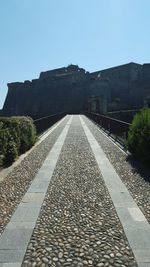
<point x="71" y="69"/>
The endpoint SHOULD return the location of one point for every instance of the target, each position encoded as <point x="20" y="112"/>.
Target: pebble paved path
<point x="15" y="185"/>
<point x="136" y="180"/>
<point x="78" y="225"/>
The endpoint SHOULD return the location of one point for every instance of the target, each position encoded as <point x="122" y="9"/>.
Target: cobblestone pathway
<point x="78" y="225"/>
<point x="136" y="182"/>
<point x="17" y="182"/>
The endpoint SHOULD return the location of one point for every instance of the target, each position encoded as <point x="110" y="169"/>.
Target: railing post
<point x="109" y="129"/>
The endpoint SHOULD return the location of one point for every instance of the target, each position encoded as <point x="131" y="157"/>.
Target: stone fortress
<point x="73" y="90"/>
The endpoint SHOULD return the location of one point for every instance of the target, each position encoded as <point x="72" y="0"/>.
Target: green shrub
<point x="4" y="140"/>
<point x="11" y="153"/>
<point x="1" y="160"/>
<point x="17" y="135"/>
<point x="27" y="134"/>
<point x="138" y="142"/>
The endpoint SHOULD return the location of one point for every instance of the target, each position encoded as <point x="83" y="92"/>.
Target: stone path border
<point x="6" y="171"/>
<point x="135" y="225"/>
<point x="17" y="234"/>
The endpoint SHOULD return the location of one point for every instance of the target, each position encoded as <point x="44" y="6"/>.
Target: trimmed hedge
<point x="17" y="135"/>
<point x="138" y="142"/>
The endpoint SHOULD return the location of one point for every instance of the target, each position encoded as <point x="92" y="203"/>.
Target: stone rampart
<point x="72" y="89"/>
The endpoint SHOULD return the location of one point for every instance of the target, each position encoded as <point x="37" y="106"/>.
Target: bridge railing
<point x="44" y="123"/>
<point x="116" y="128"/>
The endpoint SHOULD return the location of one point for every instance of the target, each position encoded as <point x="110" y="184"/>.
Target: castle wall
<point x="146" y="72"/>
<point x="69" y="90"/>
<point x="122" y="79"/>
<point x="44" y="97"/>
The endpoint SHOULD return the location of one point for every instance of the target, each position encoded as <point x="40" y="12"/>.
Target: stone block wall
<point x="69" y="90"/>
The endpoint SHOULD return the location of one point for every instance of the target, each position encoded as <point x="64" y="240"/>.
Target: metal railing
<point x="116" y="128"/>
<point x="44" y="123"/>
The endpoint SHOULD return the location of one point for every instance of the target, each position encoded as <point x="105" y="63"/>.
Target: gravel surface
<point x="15" y="185"/>
<point x="133" y="174"/>
<point x="78" y="225"/>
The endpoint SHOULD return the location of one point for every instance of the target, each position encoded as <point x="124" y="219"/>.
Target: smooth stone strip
<point x="17" y="234"/>
<point x="136" y="227"/>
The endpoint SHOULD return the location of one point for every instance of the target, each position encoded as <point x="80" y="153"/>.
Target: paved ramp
<point x="77" y="211"/>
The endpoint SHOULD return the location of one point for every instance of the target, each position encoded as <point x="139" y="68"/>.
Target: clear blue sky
<point x="38" y="35"/>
